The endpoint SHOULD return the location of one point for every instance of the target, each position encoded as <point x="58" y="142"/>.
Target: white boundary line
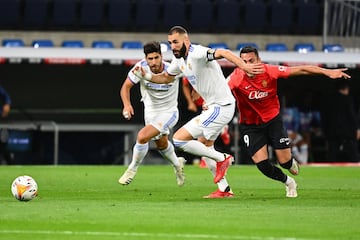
<point x="145" y="235"/>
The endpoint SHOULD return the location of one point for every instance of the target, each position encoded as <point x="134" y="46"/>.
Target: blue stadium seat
<point x="13" y="43"/>
<point x="174" y="13"/>
<point x="91" y="13"/>
<point x="102" y="44"/>
<point x="72" y="44"/>
<point x="59" y="18"/>
<point x="281" y="19"/>
<point x="309" y="17"/>
<point x="218" y="45"/>
<point x="132" y="44"/>
<point x="39" y="43"/>
<point x="115" y="19"/>
<point x="254" y="16"/>
<point x="147" y="14"/>
<point x="9" y="13"/>
<point x="227" y="15"/>
<point x="333" y="48"/>
<point x="35" y="13"/>
<point x="201" y="15"/>
<point x="304" y="47"/>
<point x="276" y="47"/>
<point x="239" y="46"/>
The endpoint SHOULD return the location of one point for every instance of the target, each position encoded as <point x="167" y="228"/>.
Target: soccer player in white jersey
<point x="197" y="63"/>
<point x="160" y="112"/>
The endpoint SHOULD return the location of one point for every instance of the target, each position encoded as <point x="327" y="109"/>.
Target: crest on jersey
<point x="189" y="66"/>
<point x="264" y="83"/>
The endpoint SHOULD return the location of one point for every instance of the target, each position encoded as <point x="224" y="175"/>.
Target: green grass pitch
<point x="86" y="202"/>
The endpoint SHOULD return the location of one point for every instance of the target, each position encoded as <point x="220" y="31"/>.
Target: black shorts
<point x="273" y="133"/>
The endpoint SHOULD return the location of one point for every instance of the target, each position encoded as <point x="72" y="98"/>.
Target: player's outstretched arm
<point x="163" y="77"/>
<point x="251" y="68"/>
<point x="309" y="69"/>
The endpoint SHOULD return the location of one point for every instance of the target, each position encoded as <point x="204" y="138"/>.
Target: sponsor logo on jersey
<point x="157" y="87"/>
<point x="257" y="94"/>
<point x="285" y="140"/>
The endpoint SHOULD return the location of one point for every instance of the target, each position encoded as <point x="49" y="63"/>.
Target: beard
<point x="181" y="53"/>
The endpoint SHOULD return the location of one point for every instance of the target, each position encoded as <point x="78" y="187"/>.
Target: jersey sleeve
<point x="173" y="69"/>
<point x="278" y="71"/>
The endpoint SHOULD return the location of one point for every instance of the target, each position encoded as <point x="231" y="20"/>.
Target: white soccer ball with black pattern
<point x="24" y="188"/>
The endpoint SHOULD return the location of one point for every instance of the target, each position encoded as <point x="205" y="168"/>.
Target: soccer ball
<point x="24" y="188"/>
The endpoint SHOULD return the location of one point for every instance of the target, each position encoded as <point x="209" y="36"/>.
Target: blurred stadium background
<point x="63" y="62"/>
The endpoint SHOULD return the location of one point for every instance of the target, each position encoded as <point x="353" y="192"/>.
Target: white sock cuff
<point x="179" y="143"/>
<point x="141" y="147"/>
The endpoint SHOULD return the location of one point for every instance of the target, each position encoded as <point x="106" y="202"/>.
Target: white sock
<point x="197" y="148"/>
<point x="169" y="154"/>
<point x="211" y="164"/>
<point x="289" y="180"/>
<point x="139" y="153"/>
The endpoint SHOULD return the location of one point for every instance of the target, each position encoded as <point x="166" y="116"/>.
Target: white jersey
<point x="204" y="75"/>
<point x="156" y="97"/>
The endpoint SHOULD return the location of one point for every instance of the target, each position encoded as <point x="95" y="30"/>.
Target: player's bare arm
<point x="128" y="110"/>
<point x="309" y="69"/>
<point x="163" y="77"/>
<point x="252" y="68"/>
<point x="188" y="96"/>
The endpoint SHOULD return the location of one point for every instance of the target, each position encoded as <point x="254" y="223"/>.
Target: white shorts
<point x="210" y="123"/>
<point x="163" y="121"/>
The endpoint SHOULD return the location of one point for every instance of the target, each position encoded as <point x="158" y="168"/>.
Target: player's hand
<point x="5" y="111"/>
<point x="128" y="112"/>
<point x="254" y="69"/>
<point x="205" y="107"/>
<point x="139" y="72"/>
<point x="338" y="73"/>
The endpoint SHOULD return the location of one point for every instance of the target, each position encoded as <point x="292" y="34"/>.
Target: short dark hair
<point x="152" y="47"/>
<point x="177" y="29"/>
<point x="249" y="49"/>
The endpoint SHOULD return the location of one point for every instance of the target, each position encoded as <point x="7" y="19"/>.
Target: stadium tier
<point x="235" y="16"/>
<point x="128" y="56"/>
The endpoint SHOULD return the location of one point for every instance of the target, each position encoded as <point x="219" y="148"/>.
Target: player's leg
<point x="166" y="149"/>
<point x="281" y="143"/>
<point x="208" y="124"/>
<point x="164" y="122"/>
<point x="255" y="141"/>
<point x="140" y="150"/>
<point x="275" y="173"/>
<point x="224" y="189"/>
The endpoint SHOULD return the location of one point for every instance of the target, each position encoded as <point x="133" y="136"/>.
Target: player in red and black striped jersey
<point x="260" y="121"/>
